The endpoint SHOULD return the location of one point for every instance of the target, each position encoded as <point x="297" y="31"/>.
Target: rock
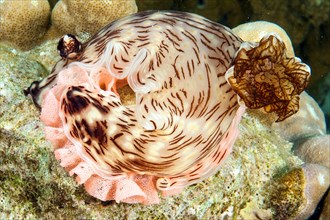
<point x="309" y="121"/>
<point x="24" y="23"/>
<point x="325" y="213"/>
<point x="289" y="15"/>
<point x="252" y="212"/>
<point x="315" y="49"/>
<point x="76" y="17"/>
<point x="229" y="13"/>
<point x="315" y="150"/>
<point x="321" y="93"/>
<point x="144" y="5"/>
<point x="307" y="23"/>
<point x="34" y="185"/>
<point x="255" y="31"/>
<point x="317" y="182"/>
<point x="296" y="194"/>
<point x="207" y="8"/>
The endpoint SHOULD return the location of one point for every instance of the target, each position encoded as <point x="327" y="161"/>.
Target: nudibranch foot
<point x="264" y="77"/>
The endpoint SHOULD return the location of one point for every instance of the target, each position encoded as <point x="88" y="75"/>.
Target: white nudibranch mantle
<point x="186" y="114"/>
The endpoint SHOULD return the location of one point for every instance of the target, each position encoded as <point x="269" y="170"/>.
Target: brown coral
<point x="255" y="31"/>
<point x="264" y="77"/>
<point x="23" y="23"/>
<point x="79" y="16"/>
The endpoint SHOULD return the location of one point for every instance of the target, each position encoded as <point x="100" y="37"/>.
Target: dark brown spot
<point x="76" y="103"/>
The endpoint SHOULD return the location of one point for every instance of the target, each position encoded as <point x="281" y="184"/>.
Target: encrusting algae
<point x="285" y="198"/>
<point x="296" y="194"/>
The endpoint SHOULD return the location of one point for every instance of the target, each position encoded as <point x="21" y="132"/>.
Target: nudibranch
<point x="192" y="80"/>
